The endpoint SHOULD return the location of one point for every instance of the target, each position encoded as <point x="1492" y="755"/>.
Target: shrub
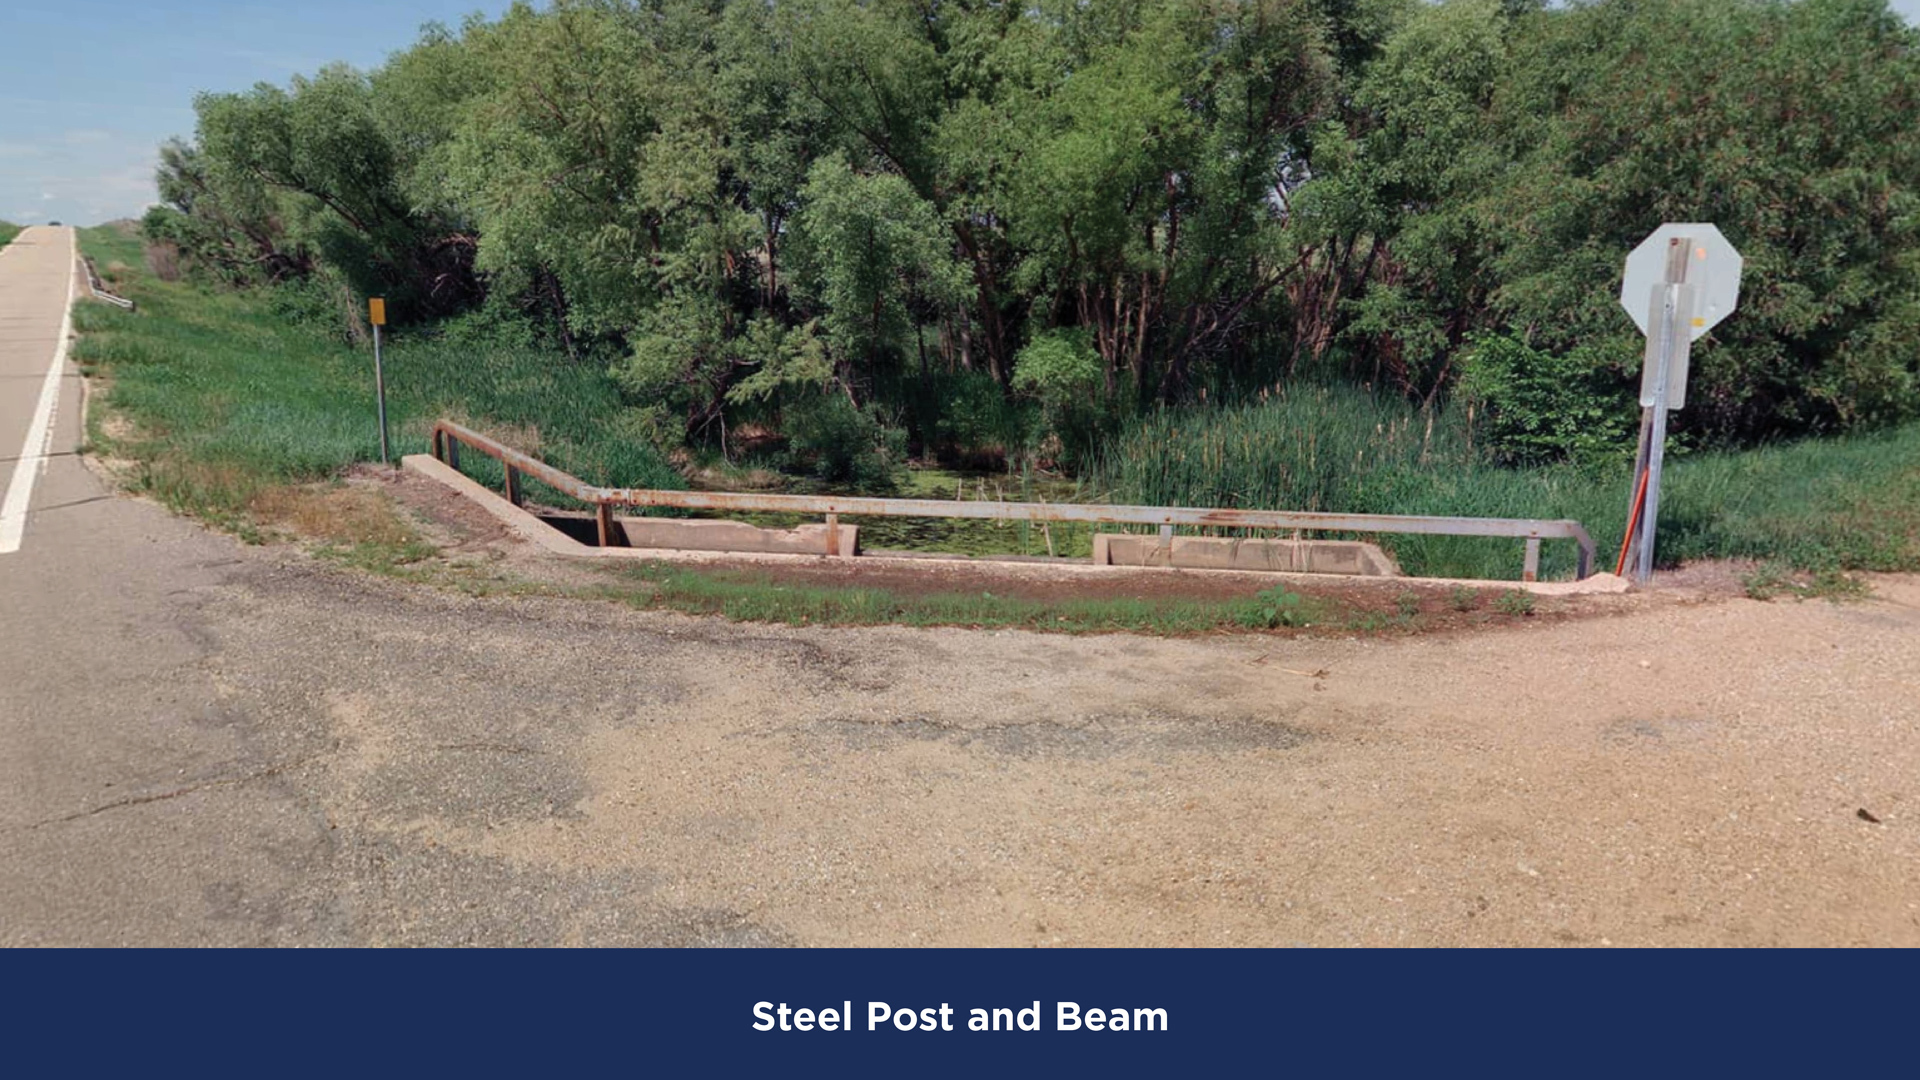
<point x="843" y="442"/>
<point x="1514" y="602"/>
<point x="1060" y="370"/>
<point x="965" y="417"/>
<point x="1538" y="408"/>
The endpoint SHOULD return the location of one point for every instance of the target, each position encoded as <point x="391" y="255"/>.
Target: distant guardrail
<point x="99" y="290"/>
<point x="448" y="437"/>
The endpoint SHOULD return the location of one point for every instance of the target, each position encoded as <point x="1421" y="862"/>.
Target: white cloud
<point x="82" y="179"/>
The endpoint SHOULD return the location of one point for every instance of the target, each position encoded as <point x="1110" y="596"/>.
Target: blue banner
<point x="954" y="1013"/>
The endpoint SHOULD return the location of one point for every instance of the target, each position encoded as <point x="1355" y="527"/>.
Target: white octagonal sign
<point x="1713" y="269"/>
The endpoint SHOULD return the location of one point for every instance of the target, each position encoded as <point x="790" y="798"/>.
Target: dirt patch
<point x="1082" y="738"/>
<point x="336" y="514"/>
<point x="461" y="524"/>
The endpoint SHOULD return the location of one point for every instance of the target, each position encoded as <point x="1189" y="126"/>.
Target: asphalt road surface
<point x="206" y="743"/>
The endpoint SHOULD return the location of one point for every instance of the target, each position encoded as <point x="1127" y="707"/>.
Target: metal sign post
<point x="377" y="315"/>
<point x="1667" y="345"/>
<point x="1678" y="284"/>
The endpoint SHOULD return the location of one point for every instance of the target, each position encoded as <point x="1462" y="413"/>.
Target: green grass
<point x="7" y="232"/>
<point x="1849" y="503"/>
<point x="758" y="597"/>
<point x="114" y="243"/>
<point x="231" y="394"/>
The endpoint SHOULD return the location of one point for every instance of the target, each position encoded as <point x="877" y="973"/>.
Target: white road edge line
<point x="33" y="453"/>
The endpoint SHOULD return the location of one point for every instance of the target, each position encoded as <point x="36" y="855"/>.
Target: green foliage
<point x="315" y="166"/>
<point x="965" y="416"/>
<point x="1514" y="157"/>
<point x="1540" y="408"/>
<point x="1514" y="602"/>
<point x="844" y="442"/>
<point x="1279" y="607"/>
<point x="868" y="252"/>
<point x="7" y="233"/>
<point x="1060" y="370"/>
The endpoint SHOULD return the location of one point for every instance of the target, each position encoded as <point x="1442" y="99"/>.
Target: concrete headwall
<point x="1220" y="553"/>
<point x="691" y="535"/>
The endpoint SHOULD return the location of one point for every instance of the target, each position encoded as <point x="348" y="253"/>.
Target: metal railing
<point x="99" y="290"/>
<point x="448" y="437"/>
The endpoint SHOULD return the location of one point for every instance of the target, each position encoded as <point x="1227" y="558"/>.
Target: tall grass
<point x="7" y="232"/>
<point x="229" y="396"/>
<point x="1849" y="503"/>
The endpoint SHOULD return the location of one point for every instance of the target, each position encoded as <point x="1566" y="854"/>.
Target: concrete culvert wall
<point x="689" y="535"/>
<point x="1355" y="557"/>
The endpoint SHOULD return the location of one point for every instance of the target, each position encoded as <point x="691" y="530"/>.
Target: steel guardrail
<point x="98" y="289"/>
<point x="448" y="436"/>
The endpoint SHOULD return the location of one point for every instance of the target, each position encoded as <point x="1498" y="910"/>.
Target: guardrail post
<point x="513" y="485"/>
<point x="453" y="452"/>
<point x="833" y="536"/>
<point x="1531" y="571"/>
<point x="603" y="519"/>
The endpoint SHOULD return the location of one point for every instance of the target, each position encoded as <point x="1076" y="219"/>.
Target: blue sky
<point x="88" y="88"/>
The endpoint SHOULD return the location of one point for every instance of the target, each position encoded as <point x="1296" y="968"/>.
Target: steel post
<point x="1672" y="325"/>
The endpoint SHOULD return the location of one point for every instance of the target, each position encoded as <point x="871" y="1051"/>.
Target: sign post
<point x="377" y="315"/>
<point x="1678" y="284"/>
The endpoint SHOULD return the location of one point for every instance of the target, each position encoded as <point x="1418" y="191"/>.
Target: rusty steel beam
<point x="449" y="435"/>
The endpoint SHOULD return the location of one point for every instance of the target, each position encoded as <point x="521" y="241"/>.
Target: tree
<point x="871" y="254"/>
<point x="1520" y="152"/>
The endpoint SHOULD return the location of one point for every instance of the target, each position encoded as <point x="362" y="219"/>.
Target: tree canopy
<point x="742" y="207"/>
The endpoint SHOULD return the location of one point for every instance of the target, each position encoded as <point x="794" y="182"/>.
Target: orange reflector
<point x="377" y="310"/>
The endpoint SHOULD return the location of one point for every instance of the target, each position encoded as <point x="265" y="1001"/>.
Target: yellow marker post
<point x="377" y="315"/>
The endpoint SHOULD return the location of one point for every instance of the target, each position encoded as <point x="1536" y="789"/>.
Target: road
<point x="207" y="743"/>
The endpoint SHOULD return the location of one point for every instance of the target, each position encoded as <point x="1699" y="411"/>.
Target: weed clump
<point x="1771" y="580"/>
<point x="1515" y="602"/>
<point x="1279" y="607"/>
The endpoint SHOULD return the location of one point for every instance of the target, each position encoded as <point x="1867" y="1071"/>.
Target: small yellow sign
<point x="377" y="310"/>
